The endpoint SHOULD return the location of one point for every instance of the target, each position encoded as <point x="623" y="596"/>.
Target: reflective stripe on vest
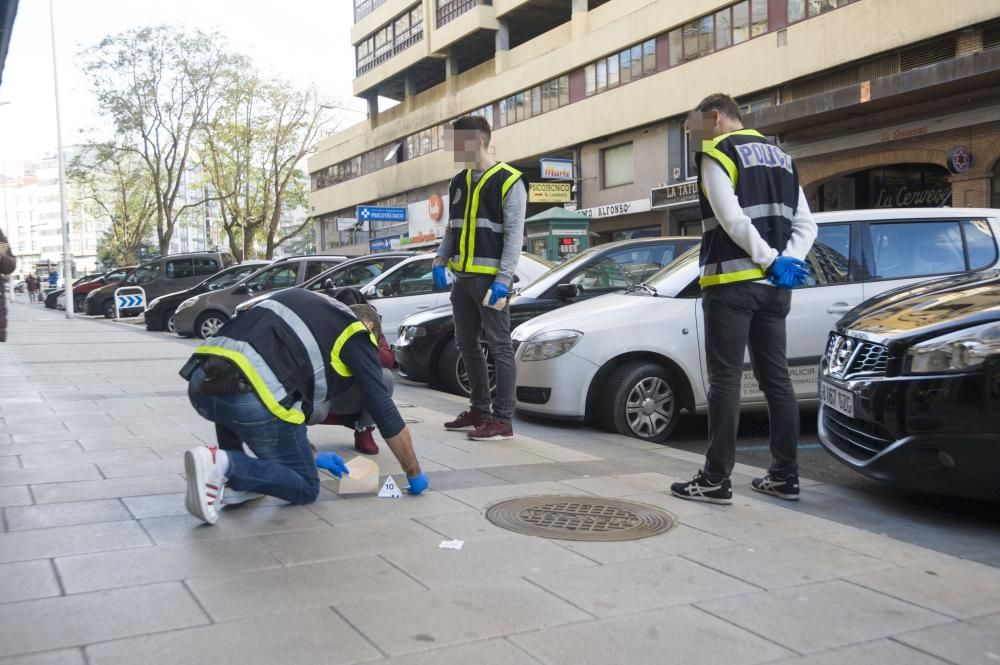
<point x="308" y="340"/>
<point x="736" y="270"/>
<point x="350" y="331"/>
<point x="264" y="382"/>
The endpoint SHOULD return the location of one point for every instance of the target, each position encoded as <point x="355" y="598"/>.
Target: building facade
<point x="882" y="102"/>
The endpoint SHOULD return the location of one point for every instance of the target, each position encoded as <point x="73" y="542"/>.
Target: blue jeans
<point x="284" y="466"/>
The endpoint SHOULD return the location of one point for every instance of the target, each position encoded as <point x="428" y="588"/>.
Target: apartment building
<point x="882" y="102"/>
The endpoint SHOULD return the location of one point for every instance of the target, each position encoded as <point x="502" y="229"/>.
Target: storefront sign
<point x="435" y="207"/>
<point x="959" y="159"/>
<point x="350" y="223"/>
<point x="673" y="195"/>
<point x="543" y="234"/>
<point x="893" y="193"/>
<point x="569" y="232"/>
<point x="906" y="133"/>
<point x="557" y="169"/>
<point x="549" y="192"/>
<point x="430" y="236"/>
<point x="617" y="209"/>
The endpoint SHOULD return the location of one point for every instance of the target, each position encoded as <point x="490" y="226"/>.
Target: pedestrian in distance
<point x="481" y="247"/>
<point x="53" y="279"/>
<point x="7" y="264"/>
<point x="757" y="231"/>
<point x="31" y="284"/>
<point x="285" y="363"/>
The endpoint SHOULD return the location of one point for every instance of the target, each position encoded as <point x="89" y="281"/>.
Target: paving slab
<point x="879" y="652"/>
<point x="15" y="495"/>
<point x="350" y="540"/>
<point x="822" y="616"/>
<point x="65" y="514"/>
<point x="27" y="580"/>
<point x="66" y="540"/>
<point x="47" y="457"/>
<point x="961" y="589"/>
<point x="644" y="584"/>
<point x="972" y="642"/>
<point x="61" y="657"/>
<point x="265" y="592"/>
<point x="486" y="652"/>
<point x="363" y="508"/>
<point x="483" y="497"/>
<point x="52" y="623"/>
<point x="148" y="565"/>
<point x="234" y="522"/>
<point x="113" y="488"/>
<point x="678" y="635"/>
<point x="50" y="474"/>
<point x="445" y="617"/>
<point x="313" y="636"/>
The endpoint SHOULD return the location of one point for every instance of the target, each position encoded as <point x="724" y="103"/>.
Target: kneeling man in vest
<point x="757" y="229"/>
<point x="285" y="363"/>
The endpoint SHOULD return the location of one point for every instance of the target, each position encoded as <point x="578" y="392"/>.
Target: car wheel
<point x="78" y="302"/>
<point x="108" y="308"/>
<point x="208" y="324"/>
<point x="170" y="321"/>
<point x="452" y="372"/>
<point x="642" y="401"/>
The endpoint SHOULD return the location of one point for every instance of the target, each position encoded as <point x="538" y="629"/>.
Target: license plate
<point x="837" y="399"/>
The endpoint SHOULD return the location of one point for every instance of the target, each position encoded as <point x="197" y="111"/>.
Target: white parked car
<point x="407" y="288"/>
<point x="632" y="361"/>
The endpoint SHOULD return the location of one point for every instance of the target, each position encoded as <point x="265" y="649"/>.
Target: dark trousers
<point x="471" y="317"/>
<point x="735" y="315"/>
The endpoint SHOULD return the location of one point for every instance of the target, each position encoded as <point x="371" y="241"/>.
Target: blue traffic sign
<point x="130" y="301"/>
<point x="379" y="214"/>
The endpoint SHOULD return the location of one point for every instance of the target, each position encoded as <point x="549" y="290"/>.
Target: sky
<point x="306" y="41"/>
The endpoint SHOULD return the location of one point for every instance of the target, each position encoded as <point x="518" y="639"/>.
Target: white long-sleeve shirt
<point x="737" y="225"/>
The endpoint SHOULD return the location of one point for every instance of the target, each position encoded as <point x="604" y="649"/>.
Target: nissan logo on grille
<point x="846" y="356"/>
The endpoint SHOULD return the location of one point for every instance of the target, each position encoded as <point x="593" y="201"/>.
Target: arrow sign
<point x="129" y="302"/>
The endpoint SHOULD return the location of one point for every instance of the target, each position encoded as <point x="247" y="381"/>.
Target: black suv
<point x="910" y="387"/>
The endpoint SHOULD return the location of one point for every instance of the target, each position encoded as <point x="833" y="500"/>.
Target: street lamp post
<point x="67" y="263"/>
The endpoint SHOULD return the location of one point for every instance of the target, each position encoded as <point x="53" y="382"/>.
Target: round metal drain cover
<point x="580" y="518"/>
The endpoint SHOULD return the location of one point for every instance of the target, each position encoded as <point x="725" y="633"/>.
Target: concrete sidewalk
<point x="100" y="563"/>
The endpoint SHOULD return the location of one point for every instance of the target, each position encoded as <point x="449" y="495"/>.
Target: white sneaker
<point x="205" y="483"/>
<point x="232" y="497"/>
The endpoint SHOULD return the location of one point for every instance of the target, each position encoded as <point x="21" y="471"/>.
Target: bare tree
<point x="158" y="85"/>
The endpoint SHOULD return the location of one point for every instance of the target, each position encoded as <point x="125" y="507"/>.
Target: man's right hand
<point x="788" y="272"/>
<point x="440" y="277"/>
<point x="332" y="463"/>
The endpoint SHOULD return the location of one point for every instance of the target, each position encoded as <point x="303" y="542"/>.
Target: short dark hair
<point x="476" y="122"/>
<point x="351" y="296"/>
<point x="722" y="103"/>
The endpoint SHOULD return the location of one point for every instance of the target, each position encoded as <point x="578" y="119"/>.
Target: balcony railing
<point x="363" y="8"/>
<point x="388" y="50"/>
<point x="451" y="9"/>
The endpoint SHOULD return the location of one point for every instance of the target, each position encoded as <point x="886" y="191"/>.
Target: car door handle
<point x="839" y="308"/>
<point x="423" y="306"/>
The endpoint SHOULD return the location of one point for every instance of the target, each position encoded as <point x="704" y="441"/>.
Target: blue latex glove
<point x="440" y="277"/>
<point x="418" y="483"/>
<point x="332" y="463"/>
<point x="788" y="272"/>
<point x="498" y="292"/>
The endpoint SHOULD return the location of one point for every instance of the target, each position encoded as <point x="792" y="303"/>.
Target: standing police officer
<point x="287" y="362"/>
<point x="482" y="245"/>
<point x="757" y="229"/>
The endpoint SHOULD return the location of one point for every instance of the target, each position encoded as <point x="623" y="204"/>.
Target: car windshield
<point x="229" y="277"/>
<point x="543" y="283"/>
<point x="674" y="278"/>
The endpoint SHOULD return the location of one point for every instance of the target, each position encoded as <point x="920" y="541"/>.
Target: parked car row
<point x="632" y="361"/>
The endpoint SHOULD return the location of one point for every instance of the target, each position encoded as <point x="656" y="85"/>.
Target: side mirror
<point x="328" y="284"/>
<point x="241" y="290"/>
<point x="516" y="279"/>
<point x="568" y="291"/>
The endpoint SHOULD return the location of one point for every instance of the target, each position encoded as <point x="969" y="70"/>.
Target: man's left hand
<point x="333" y="463"/>
<point x="498" y="292"/>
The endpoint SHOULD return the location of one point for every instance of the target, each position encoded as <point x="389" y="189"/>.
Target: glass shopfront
<point x="898" y="186"/>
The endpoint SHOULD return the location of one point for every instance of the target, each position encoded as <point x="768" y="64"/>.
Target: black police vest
<point x="288" y="348"/>
<point x="476" y="218"/>
<point x="767" y="185"/>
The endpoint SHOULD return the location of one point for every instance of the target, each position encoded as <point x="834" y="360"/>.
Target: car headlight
<point x="548" y="345"/>
<point x="955" y="352"/>
<point x="409" y="333"/>
<point x="187" y="303"/>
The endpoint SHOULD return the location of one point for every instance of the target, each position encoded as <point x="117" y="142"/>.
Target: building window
<point x="617" y="166"/>
<point x="590" y="83"/>
<point x="817" y="7"/>
<point x="649" y="57"/>
<point x="758" y="17"/>
<point x="723" y="29"/>
<point x="741" y="22"/>
<point x="796" y="10"/>
<point x="698" y="38"/>
<point x="623" y="67"/>
<point x="389" y="40"/>
<point x="690" y="164"/>
<point x="602" y="76"/>
<point x="676" y="42"/>
<point x="613" y="77"/>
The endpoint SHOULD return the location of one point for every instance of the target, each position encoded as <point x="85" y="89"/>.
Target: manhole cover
<point x="580" y="518"/>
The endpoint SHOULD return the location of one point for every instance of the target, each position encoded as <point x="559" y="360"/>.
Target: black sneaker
<point x="702" y="489"/>
<point x="786" y="488"/>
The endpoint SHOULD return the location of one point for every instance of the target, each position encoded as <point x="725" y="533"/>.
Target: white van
<point x="632" y="361"/>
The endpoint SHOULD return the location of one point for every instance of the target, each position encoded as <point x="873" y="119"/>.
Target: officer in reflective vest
<point x="757" y="231"/>
<point x="287" y="362"/>
<point x="481" y="247"/>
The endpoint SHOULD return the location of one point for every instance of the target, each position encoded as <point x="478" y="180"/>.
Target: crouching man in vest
<point x="482" y="245"/>
<point x="285" y="363"/>
<point x="757" y="229"/>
